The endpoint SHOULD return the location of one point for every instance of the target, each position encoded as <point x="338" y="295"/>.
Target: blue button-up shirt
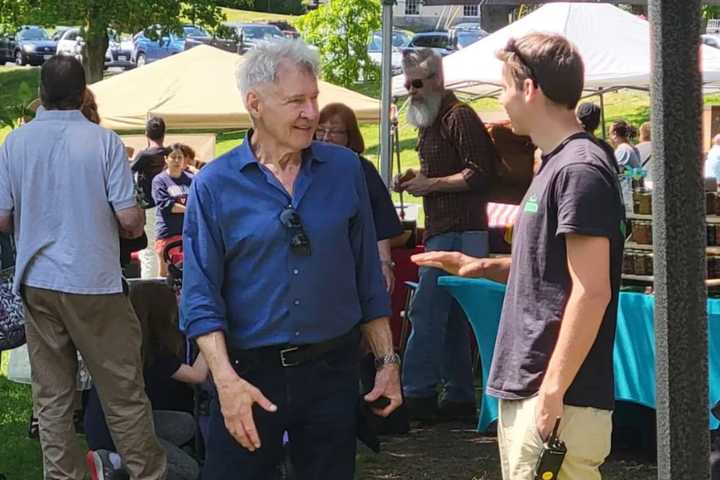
<point x="240" y="275"/>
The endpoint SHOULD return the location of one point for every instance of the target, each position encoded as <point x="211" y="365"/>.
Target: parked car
<point x="238" y="37"/>
<point x="58" y="33"/>
<point x="249" y="34"/>
<point x="29" y="45"/>
<point x="116" y="55"/>
<point x="146" y="50"/>
<point x="464" y="38"/>
<point x="711" y="40"/>
<point x="375" y="50"/>
<point x="438" y="41"/>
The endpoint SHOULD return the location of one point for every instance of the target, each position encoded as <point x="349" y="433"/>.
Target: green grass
<point x="250" y="16"/>
<point x="20" y="457"/>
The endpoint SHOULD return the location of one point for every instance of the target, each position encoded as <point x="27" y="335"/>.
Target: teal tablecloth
<point x="634" y="358"/>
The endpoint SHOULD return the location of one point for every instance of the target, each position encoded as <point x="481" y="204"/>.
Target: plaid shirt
<point x="456" y="142"/>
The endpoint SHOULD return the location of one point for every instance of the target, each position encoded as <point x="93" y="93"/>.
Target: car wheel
<point x="19" y="59"/>
<point x="141" y="60"/>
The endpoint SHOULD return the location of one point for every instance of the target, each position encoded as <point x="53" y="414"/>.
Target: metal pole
<point x="602" y="114"/>
<point x="679" y="241"/>
<point x="386" y="94"/>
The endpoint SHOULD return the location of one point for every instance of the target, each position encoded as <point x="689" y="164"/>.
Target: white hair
<point x="260" y="64"/>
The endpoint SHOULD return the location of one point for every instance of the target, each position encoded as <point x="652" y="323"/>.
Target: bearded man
<point x="456" y="168"/>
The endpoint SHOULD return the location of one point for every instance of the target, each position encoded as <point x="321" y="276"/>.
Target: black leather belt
<point x="291" y="355"/>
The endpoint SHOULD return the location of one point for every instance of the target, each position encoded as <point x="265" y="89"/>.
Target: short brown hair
<point x="89" y="107"/>
<point x="645" y="132"/>
<point x="185" y="150"/>
<point x="549" y="60"/>
<point x="349" y="120"/>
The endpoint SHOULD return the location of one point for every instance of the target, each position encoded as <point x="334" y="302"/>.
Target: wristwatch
<point x="389" y="263"/>
<point x="389" y="359"/>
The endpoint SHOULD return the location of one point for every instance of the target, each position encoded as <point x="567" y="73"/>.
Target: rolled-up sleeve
<point x="203" y="306"/>
<point x="6" y="198"/>
<point x="120" y="185"/>
<point x="374" y="299"/>
<point x="474" y="145"/>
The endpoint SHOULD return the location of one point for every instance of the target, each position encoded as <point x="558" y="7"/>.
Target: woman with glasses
<point x="339" y="125"/>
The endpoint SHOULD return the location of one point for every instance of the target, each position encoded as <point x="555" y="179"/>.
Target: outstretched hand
<point x="455" y="263"/>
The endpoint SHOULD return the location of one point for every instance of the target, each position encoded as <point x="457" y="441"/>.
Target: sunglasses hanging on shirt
<point x="299" y="241"/>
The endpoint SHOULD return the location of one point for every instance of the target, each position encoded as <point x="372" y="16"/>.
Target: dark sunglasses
<point x="417" y="83"/>
<point x="511" y="47"/>
<point x="299" y="242"/>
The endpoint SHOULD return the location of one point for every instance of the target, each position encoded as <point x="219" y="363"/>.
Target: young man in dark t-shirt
<point x="554" y="351"/>
<point x="145" y="166"/>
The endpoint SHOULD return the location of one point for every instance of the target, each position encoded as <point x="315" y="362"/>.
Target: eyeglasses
<point x="512" y="48"/>
<point x="323" y="133"/>
<point x="417" y="83"/>
<point x="299" y="242"/>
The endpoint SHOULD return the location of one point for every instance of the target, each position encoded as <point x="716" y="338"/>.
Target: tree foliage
<point x="96" y="16"/>
<point x="341" y="29"/>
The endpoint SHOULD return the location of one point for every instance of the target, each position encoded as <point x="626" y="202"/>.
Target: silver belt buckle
<point x="283" y="361"/>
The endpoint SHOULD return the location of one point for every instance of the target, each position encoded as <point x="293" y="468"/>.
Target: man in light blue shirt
<point x="67" y="193"/>
<point x="281" y="276"/>
<point x="712" y="162"/>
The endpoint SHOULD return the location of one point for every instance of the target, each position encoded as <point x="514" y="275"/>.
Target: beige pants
<point x="585" y="431"/>
<point x="106" y="331"/>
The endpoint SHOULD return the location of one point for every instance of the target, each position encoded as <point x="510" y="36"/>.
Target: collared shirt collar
<point x="43" y="114"/>
<point x="244" y="155"/>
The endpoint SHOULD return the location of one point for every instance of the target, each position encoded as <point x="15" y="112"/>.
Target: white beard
<point x="423" y="113"/>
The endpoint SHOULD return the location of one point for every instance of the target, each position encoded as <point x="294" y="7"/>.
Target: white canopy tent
<point x="614" y="44"/>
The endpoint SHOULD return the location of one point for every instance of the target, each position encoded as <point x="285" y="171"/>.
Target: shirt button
<point x="297" y="334"/>
<point x="296" y="302"/>
<point x="295" y="271"/>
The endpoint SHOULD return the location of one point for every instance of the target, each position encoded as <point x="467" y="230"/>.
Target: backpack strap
<point x="7" y="251"/>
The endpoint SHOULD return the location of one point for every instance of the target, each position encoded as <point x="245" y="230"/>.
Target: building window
<point x="470" y="10"/>
<point x="412" y="7"/>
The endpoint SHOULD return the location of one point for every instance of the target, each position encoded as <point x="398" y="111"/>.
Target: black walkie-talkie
<point x="551" y="457"/>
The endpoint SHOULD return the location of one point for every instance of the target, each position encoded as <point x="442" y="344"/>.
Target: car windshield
<point x="399" y="40"/>
<point x="466" y="38"/>
<point x="33" y="34"/>
<point x="191" y="31"/>
<point x="430" y="41"/>
<point x="259" y="33"/>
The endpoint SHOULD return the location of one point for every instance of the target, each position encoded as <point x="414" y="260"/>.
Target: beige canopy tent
<point x="195" y="90"/>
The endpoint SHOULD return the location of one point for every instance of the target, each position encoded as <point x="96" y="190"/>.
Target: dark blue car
<point x="29" y="45"/>
<point x="146" y="50"/>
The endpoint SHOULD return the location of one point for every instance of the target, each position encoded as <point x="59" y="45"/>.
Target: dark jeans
<point x="317" y="405"/>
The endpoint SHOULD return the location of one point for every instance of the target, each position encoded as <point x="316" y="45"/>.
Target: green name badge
<point x="531" y="206"/>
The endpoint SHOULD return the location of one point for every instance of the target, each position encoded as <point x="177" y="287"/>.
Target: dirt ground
<point x="453" y="451"/>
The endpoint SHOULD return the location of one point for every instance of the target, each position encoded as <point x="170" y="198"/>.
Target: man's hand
<point x="387" y="384"/>
<point x="237" y="397"/>
<point x="455" y="263"/>
<point x="549" y="407"/>
<point x="419" y="185"/>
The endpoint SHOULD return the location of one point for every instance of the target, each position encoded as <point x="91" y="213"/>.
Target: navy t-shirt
<point x="166" y="192"/>
<point x="387" y="223"/>
<point x="576" y="191"/>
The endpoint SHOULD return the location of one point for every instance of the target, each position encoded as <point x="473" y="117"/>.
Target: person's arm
<point x="7" y="204"/>
<point x="121" y="191"/>
<point x="163" y="200"/>
<point x="204" y="314"/>
<point x="474" y="145"/>
<point x="193" y="374"/>
<point x="131" y="221"/>
<point x="588" y="260"/>
<point x="457" y="263"/>
<point x="177" y="208"/>
<point x="374" y="299"/>
<point x="386" y="263"/>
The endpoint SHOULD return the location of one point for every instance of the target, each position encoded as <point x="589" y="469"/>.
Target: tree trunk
<point x="94" y="51"/>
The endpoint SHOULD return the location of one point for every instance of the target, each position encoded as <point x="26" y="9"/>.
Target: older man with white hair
<point x="457" y="160"/>
<point x="282" y="276"/>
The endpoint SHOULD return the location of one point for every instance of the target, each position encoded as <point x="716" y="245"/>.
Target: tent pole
<point x="602" y="113"/>
<point x="386" y="65"/>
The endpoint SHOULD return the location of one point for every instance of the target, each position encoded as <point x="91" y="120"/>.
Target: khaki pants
<point x="585" y="431"/>
<point x="106" y="331"/>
